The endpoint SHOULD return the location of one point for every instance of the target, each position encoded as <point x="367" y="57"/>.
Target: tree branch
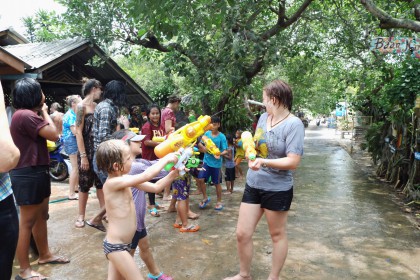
<point x="387" y="21"/>
<point x="282" y="23"/>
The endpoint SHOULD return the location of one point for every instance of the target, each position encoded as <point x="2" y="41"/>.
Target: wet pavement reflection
<point x="342" y="225"/>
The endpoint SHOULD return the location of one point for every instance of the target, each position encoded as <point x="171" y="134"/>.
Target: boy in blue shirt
<point x="212" y="164"/>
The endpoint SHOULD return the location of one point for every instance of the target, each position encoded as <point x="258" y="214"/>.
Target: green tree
<point x="403" y="14"/>
<point x="218" y="46"/>
<point x="44" y="27"/>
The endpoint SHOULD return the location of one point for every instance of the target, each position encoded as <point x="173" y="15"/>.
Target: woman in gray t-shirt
<point x="269" y="182"/>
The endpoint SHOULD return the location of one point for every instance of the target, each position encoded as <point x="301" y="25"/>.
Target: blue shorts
<point x="70" y="147"/>
<point x="212" y="172"/>
<point x="181" y="188"/>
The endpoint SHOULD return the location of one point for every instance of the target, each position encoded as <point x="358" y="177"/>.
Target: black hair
<point x="149" y="109"/>
<point x="27" y="94"/>
<point x="116" y="91"/>
<point x="119" y="134"/>
<point x="215" y="119"/>
<point x="88" y="85"/>
<point x="229" y="139"/>
<point x="281" y="92"/>
<point x="174" y="98"/>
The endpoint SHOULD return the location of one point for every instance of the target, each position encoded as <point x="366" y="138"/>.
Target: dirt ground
<point x="343" y="224"/>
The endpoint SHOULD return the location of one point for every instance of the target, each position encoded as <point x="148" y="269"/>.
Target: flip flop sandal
<point x="176" y="225"/>
<point x="57" y="260"/>
<point x="204" y="203"/>
<point x="98" y="227"/>
<point x="154" y="212"/>
<point x="190" y="228"/>
<point x="218" y="207"/>
<point x="37" y="276"/>
<point x="161" y="276"/>
<point x="79" y="223"/>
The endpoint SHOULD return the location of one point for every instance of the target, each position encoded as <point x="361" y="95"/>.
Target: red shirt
<point x="150" y="131"/>
<point x="24" y="129"/>
<point x="167" y="114"/>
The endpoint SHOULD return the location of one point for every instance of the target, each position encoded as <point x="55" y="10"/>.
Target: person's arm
<point x="159" y="185"/>
<point x="202" y="148"/>
<point x="49" y="132"/>
<point x="80" y="122"/>
<point x="168" y="126"/>
<point x="151" y="172"/>
<point x="290" y="162"/>
<point x="73" y="129"/>
<point x="10" y="154"/>
<point x="228" y="155"/>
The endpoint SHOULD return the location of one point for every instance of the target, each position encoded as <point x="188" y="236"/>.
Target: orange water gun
<point x="210" y="146"/>
<point x="248" y="145"/>
<point x="183" y="137"/>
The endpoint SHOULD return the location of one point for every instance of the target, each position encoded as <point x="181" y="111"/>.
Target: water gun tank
<point x="248" y="145"/>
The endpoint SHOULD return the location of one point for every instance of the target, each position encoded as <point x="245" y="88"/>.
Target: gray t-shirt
<point x="285" y="138"/>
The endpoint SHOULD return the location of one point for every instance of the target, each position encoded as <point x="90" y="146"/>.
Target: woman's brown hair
<point x="281" y="92"/>
<point x="88" y="85"/>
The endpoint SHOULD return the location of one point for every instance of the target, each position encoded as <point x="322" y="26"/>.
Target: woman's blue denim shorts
<point x="70" y="147"/>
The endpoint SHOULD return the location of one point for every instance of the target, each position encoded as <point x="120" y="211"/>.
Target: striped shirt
<point x="5" y="186"/>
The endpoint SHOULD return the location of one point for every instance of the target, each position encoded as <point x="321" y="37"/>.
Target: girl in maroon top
<point x="152" y="128"/>
<point x="31" y="126"/>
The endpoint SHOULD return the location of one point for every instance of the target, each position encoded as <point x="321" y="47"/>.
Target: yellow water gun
<point x="210" y="146"/>
<point x="135" y="130"/>
<point x="183" y="137"/>
<point x="248" y="145"/>
<point x="259" y="139"/>
<point x="159" y="139"/>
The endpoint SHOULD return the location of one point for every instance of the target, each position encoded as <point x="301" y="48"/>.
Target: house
<point x="59" y="66"/>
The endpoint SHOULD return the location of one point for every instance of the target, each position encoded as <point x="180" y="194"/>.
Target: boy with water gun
<point x="212" y="162"/>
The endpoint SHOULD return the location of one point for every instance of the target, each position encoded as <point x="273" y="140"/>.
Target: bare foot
<point x="31" y="274"/>
<point x="239" y="277"/>
<point x="54" y="260"/>
<point x="196" y="193"/>
<point x="167" y="198"/>
<point x="73" y="197"/>
<point x="192" y="215"/>
<point x="171" y="209"/>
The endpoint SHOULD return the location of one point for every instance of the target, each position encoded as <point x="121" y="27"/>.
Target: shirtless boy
<point x="114" y="157"/>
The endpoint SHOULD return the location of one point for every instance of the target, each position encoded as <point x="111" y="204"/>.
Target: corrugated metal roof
<point x="40" y="54"/>
<point x="8" y="36"/>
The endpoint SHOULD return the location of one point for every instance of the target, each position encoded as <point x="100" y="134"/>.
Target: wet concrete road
<point x="342" y="225"/>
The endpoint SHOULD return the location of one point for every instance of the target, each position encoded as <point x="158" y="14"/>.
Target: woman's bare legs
<point x="277" y="221"/>
<point x="74" y="176"/>
<point x="249" y="216"/>
<point x="83" y="198"/>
